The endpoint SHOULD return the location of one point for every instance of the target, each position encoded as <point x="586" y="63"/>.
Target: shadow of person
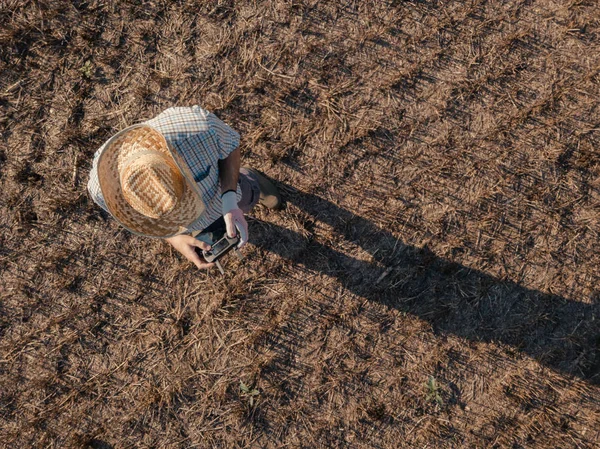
<point x="560" y="333"/>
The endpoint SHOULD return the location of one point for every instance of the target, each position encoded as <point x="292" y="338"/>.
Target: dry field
<point x="432" y="282"/>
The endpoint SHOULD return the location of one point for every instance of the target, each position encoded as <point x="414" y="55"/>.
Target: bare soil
<point x="432" y="282"/>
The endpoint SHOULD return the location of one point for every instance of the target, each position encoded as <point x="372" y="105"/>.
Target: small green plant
<point x="248" y="392"/>
<point x="433" y="391"/>
<point x="86" y="70"/>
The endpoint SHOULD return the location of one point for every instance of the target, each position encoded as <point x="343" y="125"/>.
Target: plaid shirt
<point x="201" y="139"/>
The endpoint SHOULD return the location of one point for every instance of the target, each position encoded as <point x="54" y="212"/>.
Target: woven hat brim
<point x="187" y="210"/>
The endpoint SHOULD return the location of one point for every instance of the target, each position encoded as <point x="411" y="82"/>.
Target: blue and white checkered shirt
<point x="201" y="139"/>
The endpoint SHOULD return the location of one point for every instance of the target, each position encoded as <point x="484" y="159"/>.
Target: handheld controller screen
<point x="219" y="246"/>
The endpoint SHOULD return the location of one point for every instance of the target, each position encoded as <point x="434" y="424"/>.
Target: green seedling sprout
<point x="250" y="393"/>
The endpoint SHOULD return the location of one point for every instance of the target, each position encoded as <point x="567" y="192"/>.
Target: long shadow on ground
<point x="560" y="333"/>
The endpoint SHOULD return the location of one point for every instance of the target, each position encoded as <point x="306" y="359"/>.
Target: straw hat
<point x="146" y="185"/>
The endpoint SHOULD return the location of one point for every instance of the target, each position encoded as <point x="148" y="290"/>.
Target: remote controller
<point x="219" y="249"/>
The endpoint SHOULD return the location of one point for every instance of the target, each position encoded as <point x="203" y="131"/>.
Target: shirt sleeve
<point x="227" y="138"/>
<point x="94" y="184"/>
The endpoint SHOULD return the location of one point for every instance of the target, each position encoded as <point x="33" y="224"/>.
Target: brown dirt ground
<point x="439" y="161"/>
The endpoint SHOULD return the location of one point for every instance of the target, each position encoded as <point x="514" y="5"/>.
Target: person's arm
<point x="229" y="172"/>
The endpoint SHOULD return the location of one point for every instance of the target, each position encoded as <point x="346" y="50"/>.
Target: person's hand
<point x="186" y="245"/>
<point x="234" y="218"/>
